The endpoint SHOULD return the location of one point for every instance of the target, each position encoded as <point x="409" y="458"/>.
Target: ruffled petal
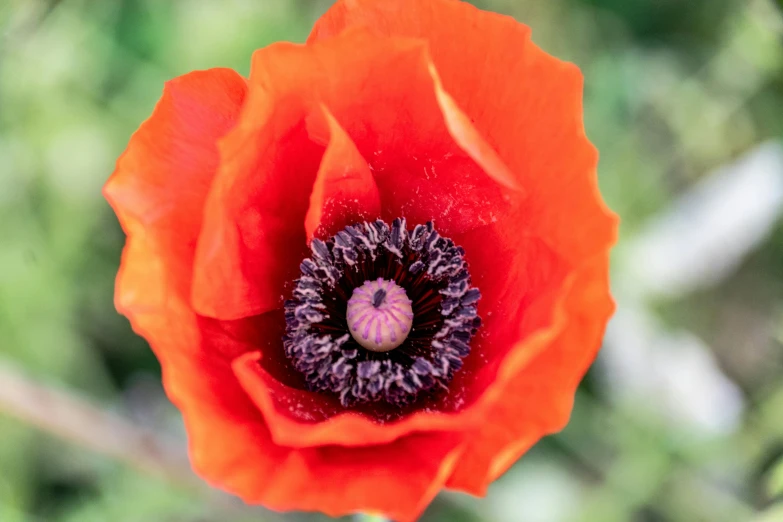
<point x="520" y="303"/>
<point x="382" y="93"/>
<point x="521" y="281"/>
<point x="344" y="192"/>
<point x="162" y="178"/>
<point x="300" y="418"/>
<point x="519" y="306"/>
<point x="540" y="380"/>
<point x="230" y="445"/>
<point x="526" y="104"/>
<point x="253" y="236"/>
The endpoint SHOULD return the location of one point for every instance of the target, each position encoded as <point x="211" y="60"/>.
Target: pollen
<point x="379" y="315"/>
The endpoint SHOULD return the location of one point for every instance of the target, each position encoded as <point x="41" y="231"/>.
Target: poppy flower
<point x="375" y="268"/>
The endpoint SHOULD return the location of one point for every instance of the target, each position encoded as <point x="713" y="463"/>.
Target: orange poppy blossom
<point x="377" y="267"/>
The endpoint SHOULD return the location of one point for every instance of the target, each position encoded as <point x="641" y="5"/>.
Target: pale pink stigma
<point x="379" y="315"/>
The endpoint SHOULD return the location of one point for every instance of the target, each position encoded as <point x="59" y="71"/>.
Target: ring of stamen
<point x="374" y="260"/>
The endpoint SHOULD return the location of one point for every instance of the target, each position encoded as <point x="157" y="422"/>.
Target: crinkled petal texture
<point x="425" y="109"/>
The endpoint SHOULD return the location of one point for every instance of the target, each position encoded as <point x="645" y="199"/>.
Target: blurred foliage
<point x="693" y="25"/>
<point x="674" y="89"/>
<point x="776" y="480"/>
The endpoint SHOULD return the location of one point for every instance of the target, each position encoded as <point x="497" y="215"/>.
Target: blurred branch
<point x="26" y="21"/>
<point x="69" y="416"/>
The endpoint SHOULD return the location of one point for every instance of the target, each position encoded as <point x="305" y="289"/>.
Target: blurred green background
<point x="681" y="418"/>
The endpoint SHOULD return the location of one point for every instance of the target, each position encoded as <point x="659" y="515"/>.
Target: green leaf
<point x="773" y="514"/>
<point x="775" y="481"/>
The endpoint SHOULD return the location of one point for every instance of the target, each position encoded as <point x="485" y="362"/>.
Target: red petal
<point x="230" y="445"/>
<point x="302" y="419"/>
<point x="253" y="237"/>
<point x="540" y="378"/>
<point x="526" y="104"/>
<point x="515" y="306"/>
<point x="382" y="93"/>
<point x="521" y="281"/>
<point x="344" y="192"/>
<point x="532" y="285"/>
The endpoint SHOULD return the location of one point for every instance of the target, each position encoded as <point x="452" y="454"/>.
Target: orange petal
<point x="468" y="137"/>
<point x="516" y="305"/>
<point x="253" y="236"/>
<point x="526" y="104"/>
<point x="382" y="93"/>
<point x="162" y="179"/>
<point x="540" y="380"/>
<point x="300" y="418"/>
<point x="344" y="192"/>
<point x="527" y="107"/>
<point x="230" y="445"/>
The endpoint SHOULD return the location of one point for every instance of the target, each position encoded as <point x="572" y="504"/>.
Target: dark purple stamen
<point x="432" y="272"/>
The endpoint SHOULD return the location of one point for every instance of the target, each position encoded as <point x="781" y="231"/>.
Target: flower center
<point x="379" y="315"/>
